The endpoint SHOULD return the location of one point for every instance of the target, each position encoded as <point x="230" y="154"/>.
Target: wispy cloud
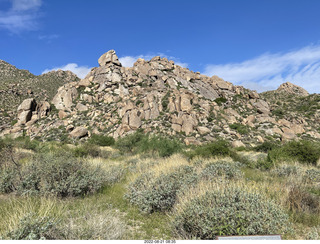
<point x="268" y="71"/>
<point x="22" y="15"/>
<point x="48" y="37"/>
<point x="128" y="61"/>
<point x="80" y="71"/>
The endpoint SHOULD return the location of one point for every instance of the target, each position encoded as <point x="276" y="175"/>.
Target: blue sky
<point x="257" y="44"/>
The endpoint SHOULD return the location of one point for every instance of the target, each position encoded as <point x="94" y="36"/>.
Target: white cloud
<point x="80" y="71"/>
<point x="24" y="5"/>
<point x="268" y="71"/>
<point x="22" y="15"/>
<point x="128" y="61"/>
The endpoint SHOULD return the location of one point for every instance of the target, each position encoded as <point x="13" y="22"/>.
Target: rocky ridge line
<point x="157" y="96"/>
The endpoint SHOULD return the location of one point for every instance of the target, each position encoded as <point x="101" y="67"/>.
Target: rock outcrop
<point x="289" y="88"/>
<point x="158" y="96"/>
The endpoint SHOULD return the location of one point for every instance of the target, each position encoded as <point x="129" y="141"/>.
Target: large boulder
<point x="25" y="110"/>
<point x="78" y="133"/>
<point x="63" y="100"/>
<point x="27" y="104"/>
<point x="109" y="57"/>
<point x="261" y="106"/>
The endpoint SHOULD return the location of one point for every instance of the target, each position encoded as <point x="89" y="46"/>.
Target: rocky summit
<point x="160" y="97"/>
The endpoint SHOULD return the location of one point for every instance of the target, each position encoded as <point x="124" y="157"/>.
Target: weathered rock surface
<point x="78" y="132"/>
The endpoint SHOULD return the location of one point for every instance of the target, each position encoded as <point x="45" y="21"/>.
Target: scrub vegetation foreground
<point x="152" y="187"/>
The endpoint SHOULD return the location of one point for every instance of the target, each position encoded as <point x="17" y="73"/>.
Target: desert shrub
<point x="33" y="227"/>
<point x="240" y="128"/>
<point x="285" y="170"/>
<point x="266" y="146"/>
<point x="165" y="101"/>
<point x="26" y="143"/>
<point x="313" y="234"/>
<point x="86" y="149"/>
<point x="8" y="179"/>
<point x="160" y="145"/>
<point x="217" y="148"/>
<point x="56" y="174"/>
<point x="144" y="143"/>
<point x="302" y="151"/>
<point x="114" y="174"/>
<point x="231" y="211"/>
<point x="101" y="140"/>
<point x="160" y="194"/>
<point x="301" y="200"/>
<point x="95" y="225"/>
<point x="264" y="164"/>
<point x="2" y="144"/>
<point x="128" y="143"/>
<point x="64" y="175"/>
<point x="225" y="169"/>
<point x="312" y="175"/>
<point x="220" y="100"/>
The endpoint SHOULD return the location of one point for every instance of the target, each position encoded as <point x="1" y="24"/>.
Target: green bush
<point x="266" y="146"/>
<point x="217" y="148"/>
<point x="162" y="146"/>
<point x="225" y="169"/>
<point x="8" y="179"/>
<point x="35" y="228"/>
<point x="101" y="140"/>
<point x="160" y="194"/>
<point x="87" y="149"/>
<point x="220" y="100"/>
<point x="128" y="144"/>
<point x="241" y="129"/>
<point x="60" y="175"/>
<point x="144" y="143"/>
<point x="232" y="211"/>
<point x="302" y="151"/>
<point x="65" y="176"/>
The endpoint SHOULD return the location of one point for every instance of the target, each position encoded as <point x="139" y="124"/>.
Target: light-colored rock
<point x="64" y="97"/>
<point x="188" y="123"/>
<point x="287" y="134"/>
<point x="80" y="107"/>
<point x="176" y="127"/>
<point x="185" y="104"/>
<point x="24" y="116"/>
<point x="235" y="144"/>
<point x="27" y="104"/>
<point x="289" y="88"/>
<point x="134" y="120"/>
<point x="63" y="114"/>
<point x="191" y="141"/>
<point x="261" y="106"/>
<point x="109" y="57"/>
<point x="78" y="133"/>
<point x="260" y="139"/>
<point x="297" y="129"/>
<point x="203" y="130"/>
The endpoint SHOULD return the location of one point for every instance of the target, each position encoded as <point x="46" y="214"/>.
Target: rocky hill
<point x="17" y="85"/>
<point x="160" y="97"/>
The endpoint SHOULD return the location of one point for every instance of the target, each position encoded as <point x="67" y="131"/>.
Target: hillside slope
<point x="17" y="85"/>
<point x="160" y="97"/>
